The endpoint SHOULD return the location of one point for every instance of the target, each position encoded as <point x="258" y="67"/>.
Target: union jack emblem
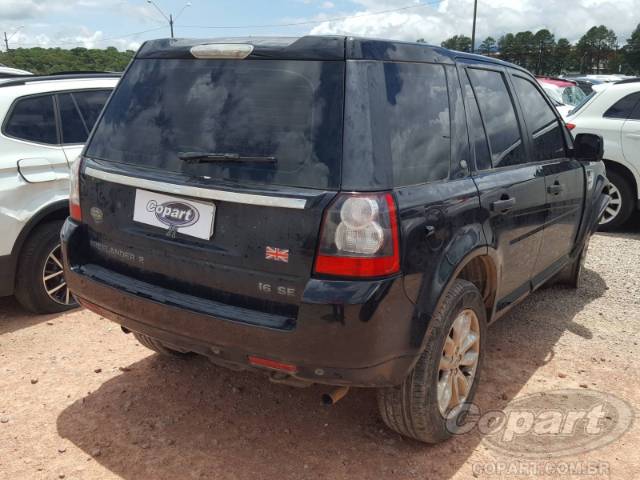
<point x="277" y="254"/>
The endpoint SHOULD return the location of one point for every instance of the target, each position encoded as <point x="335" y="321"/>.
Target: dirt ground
<point x="81" y="400"/>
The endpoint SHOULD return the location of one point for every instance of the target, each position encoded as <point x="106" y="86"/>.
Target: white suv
<point x="45" y="121"/>
<point x="613" y="112"/>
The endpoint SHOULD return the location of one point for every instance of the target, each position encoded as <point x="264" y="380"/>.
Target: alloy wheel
<point x="459" y="362"/>
<point x="615" y="205"/>
<point x="53" y="279"/>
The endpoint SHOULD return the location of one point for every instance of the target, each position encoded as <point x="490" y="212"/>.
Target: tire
<point x="155" y="345"/>
<point x="35" y="264"/>
<point x="622" y="202"/>
<point x="571" y="275"/>
<point x="412" y="408"/>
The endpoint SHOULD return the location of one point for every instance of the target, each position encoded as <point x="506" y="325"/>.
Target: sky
<point x="125" y="24"/>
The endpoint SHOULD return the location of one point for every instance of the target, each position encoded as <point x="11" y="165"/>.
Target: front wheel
<point x="428" y="405"/>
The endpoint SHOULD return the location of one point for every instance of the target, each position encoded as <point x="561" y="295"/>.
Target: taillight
<point x="359" y="237"/>
<point x="74" y="190"/>
<point x="570" y="126"/>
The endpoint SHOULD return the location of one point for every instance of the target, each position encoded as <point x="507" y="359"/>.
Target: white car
<point x="45" y="122"/>
<point x="614" y="113"/>
<point x="12" y="72"/>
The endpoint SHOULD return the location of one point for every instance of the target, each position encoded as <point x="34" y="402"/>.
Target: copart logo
<point x="550" y="424"/>
<point x="174" y="214"/>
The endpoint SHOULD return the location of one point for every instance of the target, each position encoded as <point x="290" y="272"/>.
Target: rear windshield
<point x="290" y="110"/>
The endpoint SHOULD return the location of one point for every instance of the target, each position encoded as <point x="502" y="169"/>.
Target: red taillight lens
<point x="359" y="237"/>
<point x="570" y="126"/>
<point x="74" y="190"/>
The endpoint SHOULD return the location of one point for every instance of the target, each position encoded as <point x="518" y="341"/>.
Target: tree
<point x="545" y="43"/>
<point x="421" y="40"/>
<point x="50" y="60"/>
<point x="461" y="43"/>
<point x="488" y="45"/>
<point x="596" y="48"/>
<point x="632" y="51"/>
<point x="562" y="57"/>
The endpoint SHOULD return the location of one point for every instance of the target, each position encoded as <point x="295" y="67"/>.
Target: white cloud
<point x="437" y="22"/>
<point x="328" y="5"/>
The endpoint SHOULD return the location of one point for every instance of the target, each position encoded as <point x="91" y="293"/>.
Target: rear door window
<point x="499" y="117"/>
<point x="79" y="112"/>
<point x="624" y="107"/>
<point x="33" y="119"/>
<point x="542" y="122"/>
<point x="290" y="110"/>
<point x="477" y="133"/>
<point x="417" y="112"/>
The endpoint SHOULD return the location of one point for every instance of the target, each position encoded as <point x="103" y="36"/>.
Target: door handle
<point x="633" y="135"/>
<point x="556" y="188"/>
<point x="503" y="205"/>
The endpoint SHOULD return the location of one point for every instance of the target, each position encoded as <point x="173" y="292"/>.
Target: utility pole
<point x="169" y="18"/>
<point x="6" y="40"/>
<point x="473" y="30"/>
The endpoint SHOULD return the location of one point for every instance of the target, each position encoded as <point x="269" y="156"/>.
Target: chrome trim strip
<point x="198" y="192"/>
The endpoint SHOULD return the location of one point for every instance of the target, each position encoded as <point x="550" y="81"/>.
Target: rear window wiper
<point x="204" y="157"/>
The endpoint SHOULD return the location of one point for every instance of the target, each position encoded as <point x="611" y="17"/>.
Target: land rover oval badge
<point x="96" y="214"/>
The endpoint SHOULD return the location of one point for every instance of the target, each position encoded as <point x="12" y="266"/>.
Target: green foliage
<point x="461" y="43"/>
<point x="50" y="60"/>
<point x="596" y="52"/>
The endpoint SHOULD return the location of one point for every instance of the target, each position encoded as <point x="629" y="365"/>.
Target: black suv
<point x="332" y="210"/>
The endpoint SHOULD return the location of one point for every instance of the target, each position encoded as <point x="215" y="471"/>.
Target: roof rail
<point x="627" y="80"/>
<point x="15" y="81"/>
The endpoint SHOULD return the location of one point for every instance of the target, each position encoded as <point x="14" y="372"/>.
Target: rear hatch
<point x="209" y="177"/>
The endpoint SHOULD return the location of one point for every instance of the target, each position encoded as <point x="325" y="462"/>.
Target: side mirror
<point x="588" y="147"/>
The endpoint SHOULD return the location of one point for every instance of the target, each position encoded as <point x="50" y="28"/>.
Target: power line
<point x="313" y="22"/>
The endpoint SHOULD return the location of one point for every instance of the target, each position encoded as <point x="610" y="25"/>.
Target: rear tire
<point x="622" y="203"/>
<point x="571" y="274"/>
<point x="414" y="408"/>
<point x="40" y="285"/>
<point x="157" y="346"/>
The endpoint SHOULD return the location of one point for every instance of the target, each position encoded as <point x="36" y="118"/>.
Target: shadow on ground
<point x="14" y="317"/>
<point x="189" y="419"/>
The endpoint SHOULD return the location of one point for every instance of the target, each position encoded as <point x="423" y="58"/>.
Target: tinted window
<point x="76" y="126"/>
<point x="290" y="110"/>
<point x="548" y="142"/>
<point x="417" y="111"/>
<point x="499" y="117"/>
<point x="90" y="103"/>
<point x="73" y="127"/>
<point x="476" y="129"/>
<point x="33" y="119"/>
<point x="623" y="107"/>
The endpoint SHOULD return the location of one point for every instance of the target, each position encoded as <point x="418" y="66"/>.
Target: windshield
<point x="288" y="110"/>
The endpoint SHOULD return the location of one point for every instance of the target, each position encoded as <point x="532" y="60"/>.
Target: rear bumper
<point x="346" y="333"/>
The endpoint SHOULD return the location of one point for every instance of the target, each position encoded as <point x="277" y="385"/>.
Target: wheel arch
<point x="58" y="210"/>
<point x="626" y="172"/>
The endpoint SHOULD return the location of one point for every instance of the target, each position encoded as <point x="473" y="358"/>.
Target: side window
<point x="635" y="115"/>
<point x="499" y="116"/>
<point x="33" y="119"/>
<point x="624" y="107"/>
<point x="90" y="104"/>
<point x="417" y="110"/>
<point x="73" y="127"/>
<point x="543" y="125"/>
<point x="476" y="128"/>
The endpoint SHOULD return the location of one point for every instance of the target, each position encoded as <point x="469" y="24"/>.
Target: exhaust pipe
<point x="332" y="397"/>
